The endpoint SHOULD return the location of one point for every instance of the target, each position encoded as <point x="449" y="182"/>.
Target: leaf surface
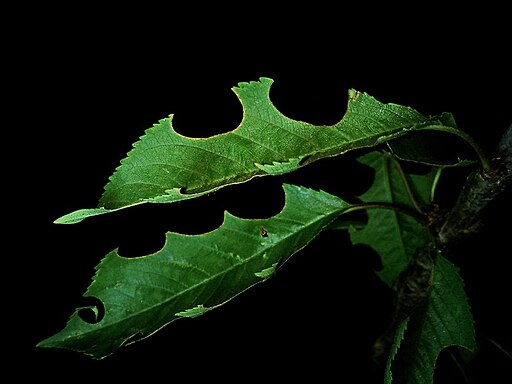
<point x="165" y="167"/>
<point x="393" y="234"/>
<point x="397" y="340"/>
<point x="445" y="321"/>
<point x="193" y="274"/>
<point x="434" y="147"/>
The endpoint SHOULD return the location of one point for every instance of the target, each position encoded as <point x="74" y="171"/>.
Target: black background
<point x="89" y="84"/>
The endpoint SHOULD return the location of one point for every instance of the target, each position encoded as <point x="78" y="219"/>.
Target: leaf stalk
<point x="484" y="162"/>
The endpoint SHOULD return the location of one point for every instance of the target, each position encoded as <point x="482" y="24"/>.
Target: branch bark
<point x="480" y="189"/>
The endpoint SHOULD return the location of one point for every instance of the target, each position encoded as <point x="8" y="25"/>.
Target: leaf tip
<point x="79" y="215"/>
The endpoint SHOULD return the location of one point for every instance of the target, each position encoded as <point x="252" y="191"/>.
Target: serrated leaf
<point x="397" y="340"/>
<point x="445" y="321"/>
<point x="164" y="166"/>
<point x="277" y="168"/>
<point x="394" y="235"/>
<point x="192" y="274"/>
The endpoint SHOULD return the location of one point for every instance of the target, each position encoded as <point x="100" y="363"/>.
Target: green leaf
<point x="445" y="321"/>
<point x="164" y="166"/>
<point x="192" y="274"/>
<point x="393" y="234"/>
<point x="396" y="236"/>
<point x="434" y="147"/>
<point x="81" y="214"/>
<point x="397" y="340"/>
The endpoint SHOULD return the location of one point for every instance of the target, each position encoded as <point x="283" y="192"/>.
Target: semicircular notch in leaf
<point x="164" y="166"/>
<point x="192" y="274"/>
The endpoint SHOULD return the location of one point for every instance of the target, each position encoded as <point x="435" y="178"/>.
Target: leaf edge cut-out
<point x="192" y="274"/>
<point x="166" y="167"/>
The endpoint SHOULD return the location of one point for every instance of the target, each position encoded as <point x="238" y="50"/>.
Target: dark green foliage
<point x="193" y="274"/>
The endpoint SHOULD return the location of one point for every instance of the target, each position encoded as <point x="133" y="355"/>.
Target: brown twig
<point x="481" y="188"/>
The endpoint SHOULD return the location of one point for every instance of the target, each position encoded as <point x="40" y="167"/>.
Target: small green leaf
<point x="393" y="234"/>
